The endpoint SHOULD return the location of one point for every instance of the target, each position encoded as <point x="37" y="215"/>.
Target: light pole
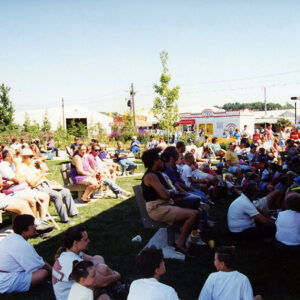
<point x="295" y="99"/>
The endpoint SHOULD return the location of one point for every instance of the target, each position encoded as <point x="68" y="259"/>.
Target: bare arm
<point x="79" y="167"/>
<point x="153" y="181"/>
<point x="262" y="219"/>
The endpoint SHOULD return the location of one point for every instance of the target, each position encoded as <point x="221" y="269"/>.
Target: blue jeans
<point x="114" y="187"/>
<point x="126" y="161"/>
<point x="135" y="149"/>
<point x="53" y="150"/>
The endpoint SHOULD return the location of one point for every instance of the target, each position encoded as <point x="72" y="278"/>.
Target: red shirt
<point x="256" y="137"/>
<point x="294" y="136"/>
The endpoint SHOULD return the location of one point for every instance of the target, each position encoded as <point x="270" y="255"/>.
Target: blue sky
<point x="90" y="51"/>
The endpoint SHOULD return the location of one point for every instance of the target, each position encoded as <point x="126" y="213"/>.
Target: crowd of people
<point x="180" y="186"/>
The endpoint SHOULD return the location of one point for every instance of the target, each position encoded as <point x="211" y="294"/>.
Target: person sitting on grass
<point x="123" y="160"/>
<point x="151" y="266"/>
<point x="227" y="283"/>
<point x="288" y="224"/>
<point x="216" y="148"/>
<point x="21" y="267"/>
<point x="245" y="220"/>
<point x="159" y="202"/>
<point x="231" y="187"/>
<point x="233" y="162"/>
<point x="84" y="274"/>
<point x="82" y="173"/>
<point x="135" y="146"/>
<point x="152" y="143"/>
<point x="50" y="146"/>
<point x="76" y="241"/>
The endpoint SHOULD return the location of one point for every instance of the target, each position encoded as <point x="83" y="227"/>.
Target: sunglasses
<point x="96" y="150"/>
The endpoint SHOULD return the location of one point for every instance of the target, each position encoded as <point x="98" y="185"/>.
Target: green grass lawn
<point x="111" y="224"/>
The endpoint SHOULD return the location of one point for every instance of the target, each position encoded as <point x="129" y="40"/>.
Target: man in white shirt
<point x="190" y="145"/>
<point x="244" y="220"/>
<point x="151" y="266"/>
<point x="21" y="268"/>
<point x="15" y="144"/>
<point x="152" y="143"/>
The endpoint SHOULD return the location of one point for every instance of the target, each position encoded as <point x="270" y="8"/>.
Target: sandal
<point x="85" y="199"/>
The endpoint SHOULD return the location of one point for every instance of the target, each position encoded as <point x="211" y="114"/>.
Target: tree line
<point x="257" y="106"/>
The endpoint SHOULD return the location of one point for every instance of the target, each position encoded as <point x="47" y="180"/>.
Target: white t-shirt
<point x="186" y="173"/>
<point x="7" y="170"/>
<point x="188" y="148"/>
<point x="152" y="144"/>
<point x="151" y="289"/>
<point x="226" y="286"/>
<point x="197" y="174"/>
<point x="240" y="214"/>
<point x="80" y="292"/>
<point x="288" y="227"/>
<point x="60" y="274"/>
<point x="16" y="255"/>
<point x="15" y="146"/>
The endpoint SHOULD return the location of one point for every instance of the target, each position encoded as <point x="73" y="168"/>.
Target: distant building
<point x="141" y="121"/>
<point x="77" y="113"/>
<point x="216" y="121"/>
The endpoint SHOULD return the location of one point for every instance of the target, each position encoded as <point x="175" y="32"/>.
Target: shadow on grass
<point x="111" y="231"/>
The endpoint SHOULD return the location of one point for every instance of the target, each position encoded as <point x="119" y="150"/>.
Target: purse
<point x="16" y="187"/>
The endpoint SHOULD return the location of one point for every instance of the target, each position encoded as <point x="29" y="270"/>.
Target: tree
<point x="26" y="124"/>
<point x="282" y="122"/>
<point x="46" y="126"/>
<point x="165" y="108"/>
<point x="257" y="106"/>
<point x="77" y="129"/>
<point x="6" y="109"/>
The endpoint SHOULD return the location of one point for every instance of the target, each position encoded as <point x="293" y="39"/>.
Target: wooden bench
<point x="147" y="221"/>
<point x="65" y="170"/>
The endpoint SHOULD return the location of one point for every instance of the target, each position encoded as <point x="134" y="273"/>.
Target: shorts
<point x="232" y="169"/>
<point x="162" y="211"/>
<point x="19" y="282"/>
<point x="4" y="201"/>
<point x="262" y="204"/>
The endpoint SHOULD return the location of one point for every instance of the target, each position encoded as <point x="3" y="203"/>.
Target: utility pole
<point x="265" y="98"/>
<point x="132" y="93"/>
<point x="295" y="99"/>
<point x="63" y="112"/>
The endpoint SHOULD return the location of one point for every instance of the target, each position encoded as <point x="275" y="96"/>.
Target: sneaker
<point x="195" y="238"/>
<point x="42" y="228"/>
<point x="69" y="222"/>
<point x="125" y="193"/>
<point x="109" y="194"/>
<point x="77" y="216"/>
<point x="45" y="235"/>
<point x="121" y="196"/>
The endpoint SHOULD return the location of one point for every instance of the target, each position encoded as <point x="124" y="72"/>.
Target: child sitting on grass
<point x="227" y="283"/>
<point x="84" y="274"/>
